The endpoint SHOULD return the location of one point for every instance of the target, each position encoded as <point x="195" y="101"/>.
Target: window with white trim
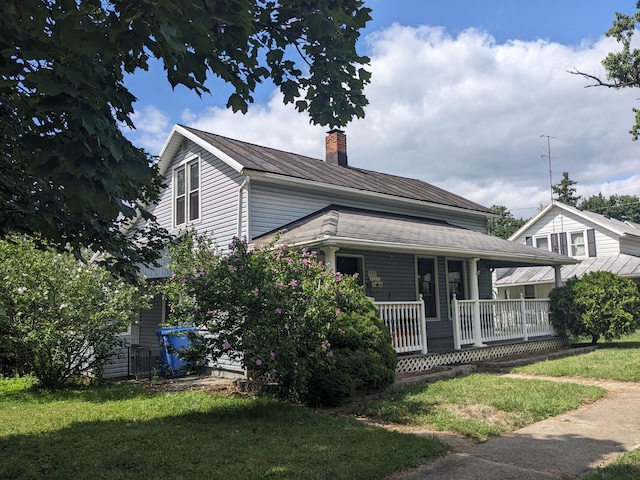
<point x="542" y="242"/>
<point x="186" y="197"/>
<point x="577" y="244"/>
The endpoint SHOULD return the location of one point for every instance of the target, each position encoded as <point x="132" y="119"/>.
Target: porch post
<point x="475" y="296"/>
<point x="558" y="271"/>
<point x="523" y="314"/>
<point x="423" y="326"/>
<point x="330" y="257"/>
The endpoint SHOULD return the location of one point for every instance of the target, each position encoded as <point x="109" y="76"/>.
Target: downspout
<point x="243" y="187"/>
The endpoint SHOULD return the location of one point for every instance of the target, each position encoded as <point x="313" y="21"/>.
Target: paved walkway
<point x="561" y="447"/>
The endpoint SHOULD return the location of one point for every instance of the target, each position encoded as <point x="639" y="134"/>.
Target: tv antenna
<point x="548" y="155"/>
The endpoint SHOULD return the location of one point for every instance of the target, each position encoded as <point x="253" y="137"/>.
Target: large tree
<point x="565" y="191"/>
<point x="505" y="225"/>
<point x="68" y="173"/>
<point x="620" y="207"/>
<point x="622" y="68"/>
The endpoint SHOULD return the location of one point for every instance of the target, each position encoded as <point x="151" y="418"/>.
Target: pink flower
<point x="337" y="312"/>
<point x="226" y="345"/>
<point x="337" y="277"/>
<point x="323" y="346"/>
<point x="258" y="362"/>
<point x="272" y="355"/>
<point x="278" y="310"/>
<point x="173" y="275"/>
<point x="329" y="354"/>
<point x="256" y="291"/>
<point x="293" y="282"/>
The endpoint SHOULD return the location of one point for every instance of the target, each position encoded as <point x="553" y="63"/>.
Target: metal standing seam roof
<point x="257" y="158"/>
<point x="621" y="264"/>
<point x="353" y="227"/>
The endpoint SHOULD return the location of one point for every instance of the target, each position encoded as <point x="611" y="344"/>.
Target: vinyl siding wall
<point x="398" y="275"/>
<point x="118" y="365"/>
<point x="554" y="221"/>
<point x="273" y="206"/>
<point x="219" y="186"/>
<point x="630" y="246"/>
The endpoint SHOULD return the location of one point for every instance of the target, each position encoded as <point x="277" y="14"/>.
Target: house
<point x="422" y="253"/>
<point x="597" y="241"/>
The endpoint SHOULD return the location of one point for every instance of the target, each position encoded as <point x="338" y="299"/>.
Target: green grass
<point x="124" y="431"/>
<point x="616" y="360"/>
<point x="624" y="467"/>
<point x="480" y="405"/>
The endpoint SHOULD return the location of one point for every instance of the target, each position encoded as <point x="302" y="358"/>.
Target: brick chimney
<point x="336" y="143"/>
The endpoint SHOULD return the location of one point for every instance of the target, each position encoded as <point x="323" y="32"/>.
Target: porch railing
<point x="480" y="321"/>
<point x="407" y="323"/>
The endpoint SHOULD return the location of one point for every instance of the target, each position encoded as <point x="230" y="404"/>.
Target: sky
<point x="473" y="96"/>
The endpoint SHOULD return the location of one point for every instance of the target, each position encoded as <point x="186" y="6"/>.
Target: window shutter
<point x="528" y="241"/>
<point x="554" y="242"/>
<point x="563" y="243"/>
<point x="591" y="242"/>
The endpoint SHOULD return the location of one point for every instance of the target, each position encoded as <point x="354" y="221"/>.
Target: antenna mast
<point x="548" y="155"/>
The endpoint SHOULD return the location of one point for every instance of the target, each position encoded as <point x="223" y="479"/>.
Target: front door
<point x="427" y="285"/>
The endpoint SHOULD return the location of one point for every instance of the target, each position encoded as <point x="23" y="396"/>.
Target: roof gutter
<point x="355" y="243"/>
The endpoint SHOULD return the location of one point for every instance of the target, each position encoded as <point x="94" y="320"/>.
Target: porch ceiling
<point x="347" y="227"/>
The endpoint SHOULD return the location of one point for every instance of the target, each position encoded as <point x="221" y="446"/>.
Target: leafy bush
<point x="284" y="315"/>
<point x="59" y="318"/>
<point x="600" y="304"/>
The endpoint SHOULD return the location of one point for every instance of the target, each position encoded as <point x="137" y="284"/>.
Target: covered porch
<point x="430" y="280"/>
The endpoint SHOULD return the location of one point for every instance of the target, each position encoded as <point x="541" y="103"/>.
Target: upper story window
<point x="542" y="242"/>
<point x="577" y="244"/>
<point x="186" y="203"/>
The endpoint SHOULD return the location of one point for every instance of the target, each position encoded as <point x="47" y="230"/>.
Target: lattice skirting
<point x="427" y="362"/>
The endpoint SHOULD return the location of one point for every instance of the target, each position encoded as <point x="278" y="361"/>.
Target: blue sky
<point x="461" y="93"/>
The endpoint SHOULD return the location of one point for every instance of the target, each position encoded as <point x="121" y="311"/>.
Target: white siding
<point x="630" y="246"/>
<point x="220" y="186"/>
<point x="273" y="206"/>
<point x="555" y="221"/>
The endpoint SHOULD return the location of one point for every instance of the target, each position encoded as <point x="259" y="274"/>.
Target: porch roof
<point x="624" y="265"/>
<point x="352" y="228"/>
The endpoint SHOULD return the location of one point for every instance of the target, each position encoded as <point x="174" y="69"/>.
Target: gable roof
<point x="264" y="162"/>
<point x="622" y="264"/>
<point x="615" y="226"/>
<point x="358" y="228"/>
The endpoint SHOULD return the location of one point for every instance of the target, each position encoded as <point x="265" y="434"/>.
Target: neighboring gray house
<point x="597" y="241"/>
<point x="421" y="252"/>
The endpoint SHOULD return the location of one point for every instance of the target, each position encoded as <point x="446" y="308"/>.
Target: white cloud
<point x="466" y="114"/>
<point x="152" y="128"/>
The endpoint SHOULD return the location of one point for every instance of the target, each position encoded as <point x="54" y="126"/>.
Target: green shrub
<point x="284" y="316"/>
<point x="600" y="304"/>
<point x="59" y="318"/>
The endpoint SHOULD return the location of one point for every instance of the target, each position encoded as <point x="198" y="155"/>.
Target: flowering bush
<point x="59" y="318"/>
<point x="284" y="315"/>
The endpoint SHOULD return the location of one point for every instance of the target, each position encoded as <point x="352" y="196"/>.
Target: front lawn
<point x="624" y="467"/>
<point x="124" y="431"/>
<point x="616" y="360"/>
<point x="480" y="405"/>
